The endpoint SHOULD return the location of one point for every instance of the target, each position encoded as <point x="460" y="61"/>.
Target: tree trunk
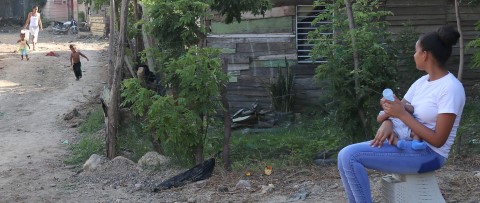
<point x="356" y="59"/>
<point x="138" y="39"/>
<point x="147" y="41"/>
<point x="117" y="13"/>
<point x="461" y="62"/>
<point x="459" y="28"/>
<point x="113" y="110"/>
<point x="199" y="153"/>
<point x="227" y="164"/>
<point x="111" y="47"/>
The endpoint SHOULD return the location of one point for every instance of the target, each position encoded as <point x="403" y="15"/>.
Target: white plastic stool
<point x="417" y="188"/>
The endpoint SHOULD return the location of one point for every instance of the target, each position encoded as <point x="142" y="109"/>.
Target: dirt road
<point x="34" y="95"/>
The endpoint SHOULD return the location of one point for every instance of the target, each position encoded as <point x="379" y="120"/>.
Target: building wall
<point x="255" y="48"/>
<point x="258" y="45"/>
<point x="58" y="10"/>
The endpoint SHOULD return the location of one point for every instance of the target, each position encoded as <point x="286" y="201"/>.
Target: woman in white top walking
<point x="35" y="24"/>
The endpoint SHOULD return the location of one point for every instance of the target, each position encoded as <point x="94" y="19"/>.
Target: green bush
<point x="282" y="91"/>
<point x="468" y="134"/>
<point x="354" y="94"/>
<point x="133" y="141"/>
<point x="81" y="16"/>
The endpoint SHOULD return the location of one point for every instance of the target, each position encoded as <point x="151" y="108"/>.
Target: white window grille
<point x="306" y="14"/>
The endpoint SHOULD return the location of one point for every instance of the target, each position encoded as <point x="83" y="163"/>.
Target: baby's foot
<point x="402" y="144"/>
<point x="418" y="145"/>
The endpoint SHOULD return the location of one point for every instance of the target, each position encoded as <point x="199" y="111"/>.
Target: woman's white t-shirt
<point x="430" y="98"/>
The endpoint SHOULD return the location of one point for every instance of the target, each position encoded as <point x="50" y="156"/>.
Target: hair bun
<point x="448" y="35"/>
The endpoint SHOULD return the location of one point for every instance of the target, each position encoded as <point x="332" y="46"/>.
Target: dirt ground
<point x="36" y="94"/>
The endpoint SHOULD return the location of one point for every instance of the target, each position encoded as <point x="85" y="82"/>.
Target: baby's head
<point x="22" y="35"/>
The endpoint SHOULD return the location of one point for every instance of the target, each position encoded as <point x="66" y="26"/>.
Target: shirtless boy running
<point x="75" y="61"/>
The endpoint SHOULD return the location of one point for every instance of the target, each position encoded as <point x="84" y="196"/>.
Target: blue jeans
<point x="353" y="159"/>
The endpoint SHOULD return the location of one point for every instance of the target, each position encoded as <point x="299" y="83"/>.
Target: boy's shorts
<point x="23" y="51"/>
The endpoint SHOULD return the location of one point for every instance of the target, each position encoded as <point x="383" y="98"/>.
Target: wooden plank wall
<point x="11" y="9"/>
<point x="429" y="15"/>
<point x="255" y="49"/>
<point x="253" y="62"/>
<point x="97" y="25"/>
<point x="258" y="45"/>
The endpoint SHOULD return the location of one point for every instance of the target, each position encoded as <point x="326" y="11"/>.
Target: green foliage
<point x="349" y="103"/>
<point x="81" y="16"/>
<point x="174" y="24"/>
<point x="197" y="78"/>
<point x="89" y="143"/>
<point x="140" y="98"/>
<point x="468" y="132"/>
<point x="176" y="126"/>
<point x="80" y="152"/>
<point x="475" y="44"/>
<point x="281" y="91"/>
<point x="282" y="146"/>
<point x="178" y="24"/>
<point x="233" y="9"/>
<point x="177" y="120"/>
<point x="39" y="3"/>
<point x="404" y="46"/>
<point x="97" y="4"/>
<point x="132" y="139"/>
<point x="93" y="123"/>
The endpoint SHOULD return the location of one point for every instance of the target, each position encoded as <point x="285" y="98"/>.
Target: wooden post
<point x="227" y="123"/>
<point x="113" y="109"/>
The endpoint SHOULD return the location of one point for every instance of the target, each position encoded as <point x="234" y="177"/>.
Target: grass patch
<point x="81" y="151"/>
<point x="133" y="142"/>
<point x="89" y="143"/>
<point x="93" y="123"/>
<point x="280" y="147"/>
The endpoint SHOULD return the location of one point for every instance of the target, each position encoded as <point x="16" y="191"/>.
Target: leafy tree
<point x="233" y="9"/>
<point x="178" y="24"/>
<point x="97" y="3"/>
<point x="179" y="121"/>
<point x="354" y="104"/>
<point x="174" y="24"/>
<point x="196" y="79"/>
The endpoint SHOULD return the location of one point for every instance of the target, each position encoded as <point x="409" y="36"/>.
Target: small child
<point x="23" y="43"/>
<point x="402" y="131"/>
<point x="75" y="61"/>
